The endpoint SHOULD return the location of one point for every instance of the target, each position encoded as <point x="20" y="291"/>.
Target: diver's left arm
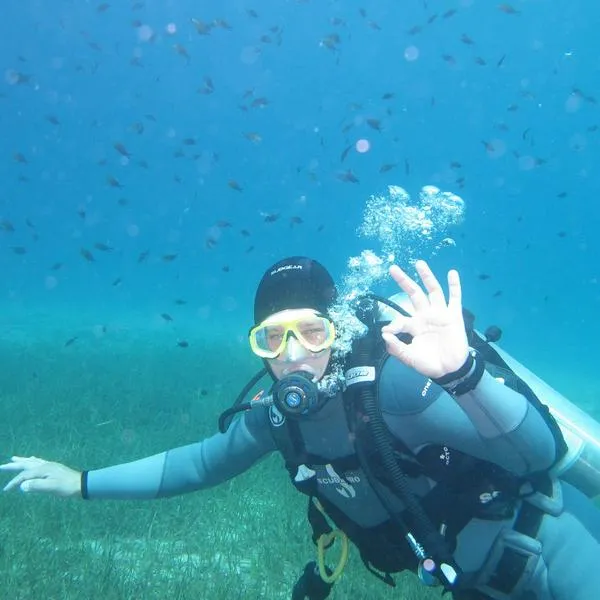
<point x="515" y="433"/>
<point x="491" y="422"/>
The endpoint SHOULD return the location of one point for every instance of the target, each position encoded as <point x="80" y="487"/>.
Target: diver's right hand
<point x="42" y="476"/>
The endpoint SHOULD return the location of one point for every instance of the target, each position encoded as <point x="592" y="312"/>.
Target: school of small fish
<point x="118" y="148"/>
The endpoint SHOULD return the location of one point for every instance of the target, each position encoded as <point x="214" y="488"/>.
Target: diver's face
<point x="294" y="340"/>
<point x="297" y="358"/>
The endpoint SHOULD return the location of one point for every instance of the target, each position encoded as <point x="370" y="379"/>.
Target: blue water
<point x="77" y="78"/>
<point x="124" y="134"/>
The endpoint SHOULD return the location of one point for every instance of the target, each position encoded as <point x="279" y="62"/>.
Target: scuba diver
<point x="420" y="446"/>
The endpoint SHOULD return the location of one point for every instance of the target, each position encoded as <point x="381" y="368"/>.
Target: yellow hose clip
<point x="324" y="542"/>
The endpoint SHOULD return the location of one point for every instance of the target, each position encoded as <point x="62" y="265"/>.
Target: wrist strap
<point x="84" y="487"/>
<point x="464" y="379"/>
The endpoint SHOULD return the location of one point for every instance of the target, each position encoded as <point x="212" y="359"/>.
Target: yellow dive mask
<point x="312" y="329"/>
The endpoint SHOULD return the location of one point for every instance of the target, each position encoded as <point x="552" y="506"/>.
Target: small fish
<point x="345" y="153"/>
<point x="71" y="341"/>
<point x="56" y="266"/>
<point x="489" y="147"/>
<point x="113" y="182"/>
<point x="180" y="302"/>
<point x="168" y="257"/>
<point x="87" y="255"/>
<point x="259" y="103"/>
<point x="6" y="225"/>
<point x="295" y="221"/>
<point x="252" y="136"/>
<point x="245" y="233"/>
<point x="120" y="148"/>
<point x="167" y="317"/>
<point x="222" y="23"/>
<point x="20" y="158"/>
<point x="508" y="9"/>
<point x="223" y="224"/>
<point x="201" y="27"/>
<point x="270" y="217"/>
<point x="103" y="247"/>
<point x="234" y="185"/>
<point x="483" y="276"/>
<point x="20" y="78"/>
<point x="20" y="250"/>
<point x="143" y="256"/>
<point x="330" y="42"/>
<point x="374" y="124"/>
<point x="117" y="282"/>
<point x="181" y="50"/>
<point x="138" y="127"/>
<point x="465" y="39"/>
<point x="387" y="167"/>
<point x="225" y="269"/>
<point x="347" y="177"/>
<point x="183" y="343"/>
<point x="52" y="119"/>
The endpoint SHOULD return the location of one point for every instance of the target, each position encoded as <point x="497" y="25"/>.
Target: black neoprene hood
<point x="295" y="282"/>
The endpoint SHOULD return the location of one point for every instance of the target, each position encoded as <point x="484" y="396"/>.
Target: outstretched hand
<point x="38" y="475"/>
<point x="439" y="340"/>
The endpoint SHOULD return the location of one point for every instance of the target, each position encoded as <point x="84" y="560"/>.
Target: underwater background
<point x="157" y="156"/>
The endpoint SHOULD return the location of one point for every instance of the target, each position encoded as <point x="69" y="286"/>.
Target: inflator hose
<point x="433" y="541"/>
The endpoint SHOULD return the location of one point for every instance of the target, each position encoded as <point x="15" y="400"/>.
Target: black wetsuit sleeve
<point x="492" y="422"/>
<point x="187" y="468"/>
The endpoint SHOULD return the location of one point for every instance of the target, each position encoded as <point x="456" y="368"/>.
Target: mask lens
<point x="314" y="331"/>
